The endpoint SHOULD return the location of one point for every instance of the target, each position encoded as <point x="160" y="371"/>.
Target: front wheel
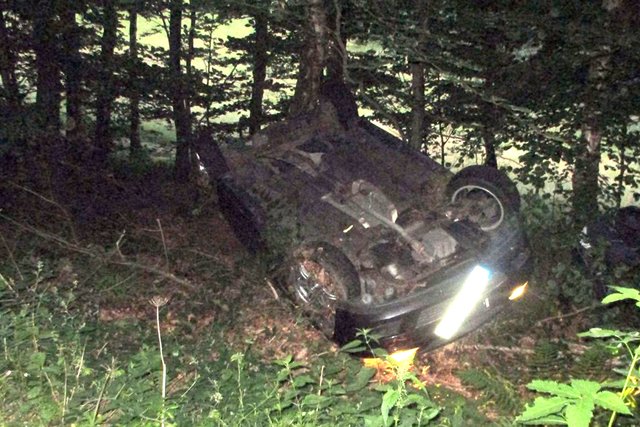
<point x="484" y="195"/>
<point x="320" y="276"/>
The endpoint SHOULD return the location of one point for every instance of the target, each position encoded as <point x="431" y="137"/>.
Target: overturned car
<point x="373" y="234"/>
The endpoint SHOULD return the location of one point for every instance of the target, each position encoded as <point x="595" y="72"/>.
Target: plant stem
<point x="104" y="386"/>
<point x="164" y="365"/>
<point x="632" y="365"/>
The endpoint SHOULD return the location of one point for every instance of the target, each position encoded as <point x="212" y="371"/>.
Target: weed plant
<point x="576" y="403"/>
<point x="60" y="366"/>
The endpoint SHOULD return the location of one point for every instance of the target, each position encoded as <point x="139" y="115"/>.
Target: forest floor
<point x="158" y="240"/>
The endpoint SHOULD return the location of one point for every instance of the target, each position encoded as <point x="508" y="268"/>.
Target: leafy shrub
<point x="574" y="404"/>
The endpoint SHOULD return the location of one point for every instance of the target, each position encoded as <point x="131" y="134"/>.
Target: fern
<point x="547" y="359"/>
<point x="593" y="364"/>
<point x="495" y="389"/>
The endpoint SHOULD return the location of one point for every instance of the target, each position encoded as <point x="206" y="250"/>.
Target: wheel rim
<point x="482" y="206"/>
<point x="319" y="293"/>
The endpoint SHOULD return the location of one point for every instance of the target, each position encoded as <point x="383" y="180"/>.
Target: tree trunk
<point x="418" y="77"/>
<point x="8" y="66"/>
<point x="177" y="93"/>
<point x="48" y="87"/>
<point x="490" y="156"/>
<point x="191" y="51"/>
<point x="260" y="60"/>
<point x="105" y="85"/>
<point x="585" y="175"/>
<point x="312" y="60"/>
<point x="586" y="172"/>
<point x="417" y="105"/>
<point x="72" y="68"/>
<point x="337" y="49"/>
<point x="135" y="146"/>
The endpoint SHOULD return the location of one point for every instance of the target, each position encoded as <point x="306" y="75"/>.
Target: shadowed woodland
<point x="125" y="298"/>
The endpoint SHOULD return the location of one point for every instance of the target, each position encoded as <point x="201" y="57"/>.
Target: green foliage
<point x="59" y="366"/>
<point x="571" y="404"/>
<point x="547" y="359"/>
<point x="496" y="390"/>
<point x="574" y="404"/>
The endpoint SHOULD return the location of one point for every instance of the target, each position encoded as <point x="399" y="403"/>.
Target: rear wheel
<point x="320" y="276"/>
<point x="484" y="195"/>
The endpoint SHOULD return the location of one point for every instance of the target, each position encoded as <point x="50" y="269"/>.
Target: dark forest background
<point x="558" y="80"/>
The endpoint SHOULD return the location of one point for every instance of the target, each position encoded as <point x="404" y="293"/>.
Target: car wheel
<point x="320" y="276"/>
<point x="484" y="195"/>
<point x="243" y="213"/>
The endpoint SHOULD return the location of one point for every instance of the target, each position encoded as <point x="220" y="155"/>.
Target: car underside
<point x="372" y="234"/>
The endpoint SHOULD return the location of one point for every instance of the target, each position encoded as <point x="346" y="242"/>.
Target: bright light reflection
<point x="518" y="291"/>
<point x="463" y="303"/>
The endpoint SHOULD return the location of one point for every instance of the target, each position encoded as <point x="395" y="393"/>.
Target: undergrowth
<point x="61" y="366"/>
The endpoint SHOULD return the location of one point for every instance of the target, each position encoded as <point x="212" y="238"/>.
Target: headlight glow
<point x="463" y="303"/>
<point x="518" y="291"/>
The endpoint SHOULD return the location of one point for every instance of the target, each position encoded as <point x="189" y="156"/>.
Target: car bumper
<point x="411" y="321"/>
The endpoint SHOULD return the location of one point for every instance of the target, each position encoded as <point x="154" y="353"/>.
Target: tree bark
<point x="417" y="105"/>
<point x="191" y="51"/>
<point x="418" y="78"/>
<point x="312" y="60"/>
<point x="48" y="85"/>
<point x="585" y="175"/>
<point x="106" y="84"/>
<point x="586" y="172"/>
<point x="72" y="68"/>
<point x="177" y="93"/>
<point x="135" y="146"/>
<point x="8" y="65"/>
<point x="260" y="61"/>
<point x="337" y="45"/>
<point x="490" y="156"/>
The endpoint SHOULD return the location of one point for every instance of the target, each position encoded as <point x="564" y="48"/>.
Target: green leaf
<point x="546" y="421"/>
<point x="303" y="380"/>
<point x="284" y="361"/>
<point x="585" y="387"/>
<point x="389" y="400"/>
<point x="430" y="414"/>
<point x="580" y="414"/>
<point x="355" y="346"/>
<point x="315" y="400"/>
<point x="622" y="294"/>
<point x="601" y="333"/>
<point x="362" y="379"/>
<point x="543" y="407"/>
<point x="553" y="387"/>
<point x="36" y="361"/>
<point x="612" y="402"/>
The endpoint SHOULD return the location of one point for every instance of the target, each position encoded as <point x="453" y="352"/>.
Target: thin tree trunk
<point x="191" y="51"/>
<point x="177" y="92"/>
<point x="135" y="146"/>
<point x="260" y="61"/>
<point x="48" y="87"/>
<point x="312" y="60"/>
<point x="72" y="68"/>
<point x="417" y="105"/>
<point x="490" y="156"/>
<point x="8" y="65"/>
<point x="106" y="84"/>
<point x="586" y="174"/>
<point x="418" y="78"/>
<point x="337" y="49"/>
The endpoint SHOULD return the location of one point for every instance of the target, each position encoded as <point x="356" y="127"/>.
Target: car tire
<point x="243" y="213"/>
<point x="490" y="189"/>
<point x="319" y="276"/>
